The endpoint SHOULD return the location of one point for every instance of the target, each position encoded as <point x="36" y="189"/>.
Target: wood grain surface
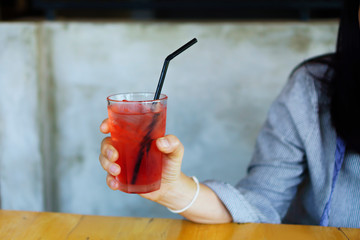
<point x="46" y="225"/>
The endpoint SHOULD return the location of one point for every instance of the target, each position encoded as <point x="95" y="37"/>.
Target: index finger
<point x="104" y="126"/>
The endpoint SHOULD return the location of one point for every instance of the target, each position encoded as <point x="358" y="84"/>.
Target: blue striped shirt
<point x="289" y="177"/>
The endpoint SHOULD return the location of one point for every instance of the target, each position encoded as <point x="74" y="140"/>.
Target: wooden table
<point x="45" y="225"/>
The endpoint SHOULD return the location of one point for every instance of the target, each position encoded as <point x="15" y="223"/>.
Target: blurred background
<point x="59" y="60"/>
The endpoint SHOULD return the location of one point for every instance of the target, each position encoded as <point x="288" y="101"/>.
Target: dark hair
<point x="344" y="89"/>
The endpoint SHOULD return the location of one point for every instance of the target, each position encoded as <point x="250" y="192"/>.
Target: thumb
<point x="173" y="151"/>
<point x="171" y="146"/>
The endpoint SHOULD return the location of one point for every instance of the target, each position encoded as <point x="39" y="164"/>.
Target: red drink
<point x="135" y="123"/>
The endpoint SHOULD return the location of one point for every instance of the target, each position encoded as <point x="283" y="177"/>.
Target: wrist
<point x="192" y="201"/>
<point x="180" y="194"/>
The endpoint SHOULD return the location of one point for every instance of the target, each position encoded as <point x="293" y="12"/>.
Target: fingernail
<point x="113" y="184"/>
<point x="164" y="143"/>
<point x="114" y="169"/>
<point x="109" y="154"/>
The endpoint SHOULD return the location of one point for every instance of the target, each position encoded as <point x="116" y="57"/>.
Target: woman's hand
<point x="169" y="145"/>
<point x="177" y="190"/>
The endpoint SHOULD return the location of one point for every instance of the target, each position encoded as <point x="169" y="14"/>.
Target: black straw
<point x="146" y="142"/>
<point x="166" y="65"/>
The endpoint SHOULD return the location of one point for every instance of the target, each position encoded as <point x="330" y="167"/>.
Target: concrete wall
<point x="54" y="78"/>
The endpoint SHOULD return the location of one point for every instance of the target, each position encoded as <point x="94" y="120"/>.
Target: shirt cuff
<point x="239" y="208"/>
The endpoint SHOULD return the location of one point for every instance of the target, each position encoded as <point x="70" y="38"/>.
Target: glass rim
<point x="162" y="97"/>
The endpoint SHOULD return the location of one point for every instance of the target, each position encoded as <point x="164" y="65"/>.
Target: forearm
<point x="206" y="209"/>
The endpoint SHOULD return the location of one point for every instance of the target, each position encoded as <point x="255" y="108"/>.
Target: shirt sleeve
<point x="279" y="160"/>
